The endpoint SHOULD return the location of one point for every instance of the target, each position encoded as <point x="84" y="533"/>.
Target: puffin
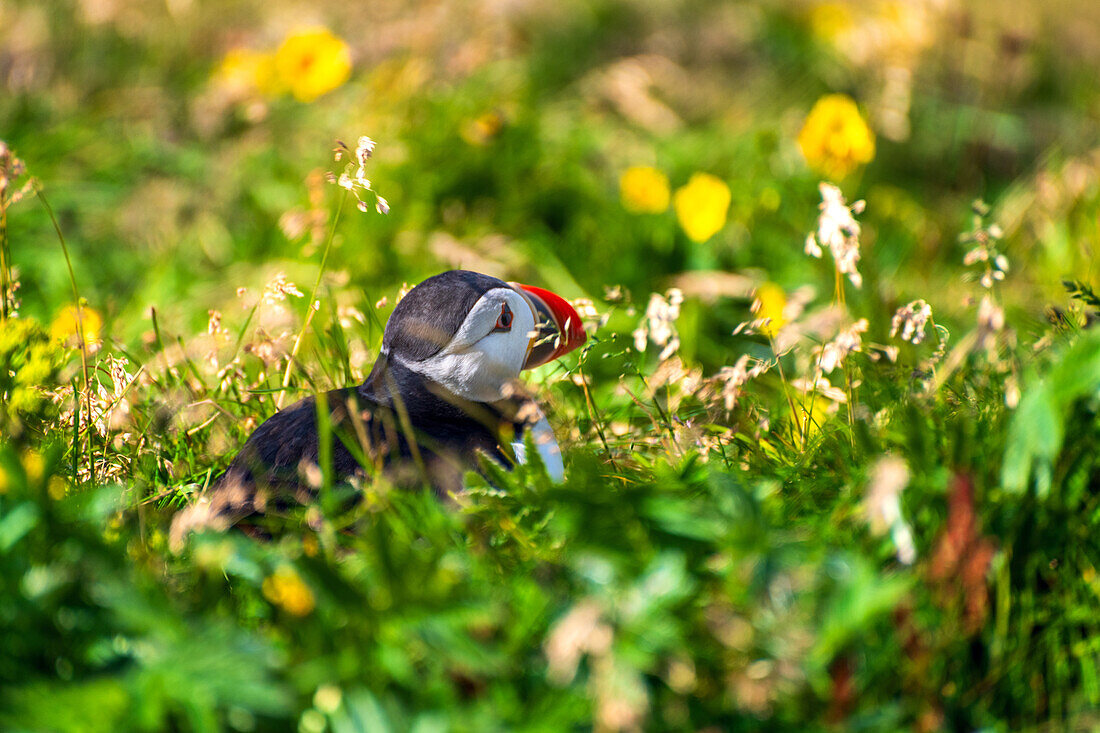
<point x="443" y="392"/>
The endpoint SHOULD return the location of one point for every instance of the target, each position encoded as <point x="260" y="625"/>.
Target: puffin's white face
<point x="489" y="349"/>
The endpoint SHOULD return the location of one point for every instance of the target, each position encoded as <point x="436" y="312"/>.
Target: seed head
<point x="910" y="320"/>
<point x="837" y="230"/>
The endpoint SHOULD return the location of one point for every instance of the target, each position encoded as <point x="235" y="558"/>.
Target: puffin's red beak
<point x="558" y="328"/>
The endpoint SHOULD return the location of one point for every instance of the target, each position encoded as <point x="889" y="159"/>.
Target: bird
<point x="443" y="391"/>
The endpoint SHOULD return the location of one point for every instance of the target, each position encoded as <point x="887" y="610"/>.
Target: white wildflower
<point x="349" y="315"/>
<point x="585" y="308"/>
<point x="984" y="250"/>
<point x="820" y="386"/>
<point x="812" y="248"/>
<point x="831" y="355"/>
<point x="882" y="505"/>
<point x="218" y="336"/>
<point x="659" y="323"/>
<point x="910" y="321"/>
<point x="364" y="149"/>
<point x="581" y="631"/>
<point x="277" y="290"/>
<point x="837" y="230"/>
<point x="214" y="325"/>
<point x="591" y="318"/>
<point x="991" y="321"/>
<point x="358" y="183"/>
<point x="1012" y="392"/>
<point x="733" y="378"/>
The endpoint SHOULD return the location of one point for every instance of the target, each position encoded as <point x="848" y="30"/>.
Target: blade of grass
<point x="310" y="309"/>
<point x="41" y="195"/>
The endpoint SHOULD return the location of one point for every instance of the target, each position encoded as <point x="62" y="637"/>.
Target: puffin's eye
<point x="504" y="320"/>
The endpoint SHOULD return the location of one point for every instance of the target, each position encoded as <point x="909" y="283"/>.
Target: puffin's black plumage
<point x="397" y="421"/>
<point x="432" y="312"/>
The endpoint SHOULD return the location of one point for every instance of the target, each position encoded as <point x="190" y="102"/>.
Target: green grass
<point x="717" y="557"/>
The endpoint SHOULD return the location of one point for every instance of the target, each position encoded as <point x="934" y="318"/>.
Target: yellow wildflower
<point x="65" y="327"/>
<point x="482" y="129"/>
<point x="830" y="21"/>
<point x="313" y="62"/>
<point x="813" y="408"/>
<point x="834" y="139"/>
<point x="34" y="465"/>
<point x="770" y="304"/>
<point x="310" y="546"/>
<point x="644" y="190"/>
<point x="57" y="488"/>
<point x="286" y="589"/>
<point x="701" y="206"/>
<point x="243" y="71"/>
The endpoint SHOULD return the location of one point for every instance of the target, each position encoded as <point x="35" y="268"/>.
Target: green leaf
<point x="1037" y="430"/>
<point x="360" y="713"/>
<point x="16" y="524"/>
<point x="1034" y="439"/>
<point x="861" y="597"/>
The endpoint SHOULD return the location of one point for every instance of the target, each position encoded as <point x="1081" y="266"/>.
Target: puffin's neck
<point x="427" y="403"/>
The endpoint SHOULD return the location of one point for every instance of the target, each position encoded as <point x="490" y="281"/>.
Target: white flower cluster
<point x="819" y="386"/>
<point x="910" y="321"/>
<point x="733" y="378"/>
<point x="984" y="252"/>
<point x="659" y="324"/>
<point x="358" y="183"/>
<point x="12" y="168"/>
<point x="882" y="505"/>
<point x="832" y="354"/>
<point x="838" y="230"/>
<point x="277" y="290"/>
<point x="991" y="321"/>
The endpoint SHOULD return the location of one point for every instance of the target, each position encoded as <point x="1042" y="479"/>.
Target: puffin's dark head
<point x="473" y="333"/>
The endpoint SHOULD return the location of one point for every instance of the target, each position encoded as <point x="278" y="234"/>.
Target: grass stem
<point x="41" y="195"/>
<point x="310" y="306"/>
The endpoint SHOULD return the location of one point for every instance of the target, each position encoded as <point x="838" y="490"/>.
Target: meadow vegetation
<point x="831" y="448"/>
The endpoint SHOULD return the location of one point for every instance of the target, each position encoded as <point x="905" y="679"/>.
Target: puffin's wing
<point x="268" y="466"/>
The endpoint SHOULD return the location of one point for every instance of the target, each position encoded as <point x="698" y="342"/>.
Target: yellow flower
<point x="313" y="62"/>
<point x="287" y="590"/>
<point x="644" y="190"/>
<point x="57" y="488"/>
<point x="834" y="139"/>
<point x="701" y="206"/>
<point x="243" y="71"/>
<point x="482" y="129"/>
<point x="770" y="303"/>
<point x="65" y="327"/>
<point x="34" y="465"/>
<point x="829" y="21"/>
